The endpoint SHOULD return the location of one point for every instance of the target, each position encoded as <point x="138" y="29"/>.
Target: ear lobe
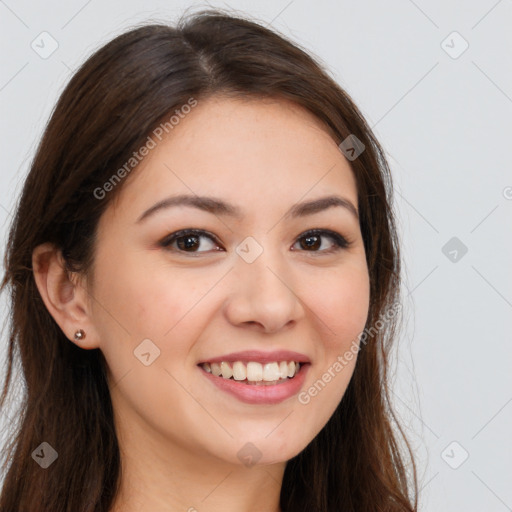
<point x="63" y="294"/>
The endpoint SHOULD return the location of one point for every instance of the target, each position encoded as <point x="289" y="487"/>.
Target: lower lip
<point x="260" y="394"/>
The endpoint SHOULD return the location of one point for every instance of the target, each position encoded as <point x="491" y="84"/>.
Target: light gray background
<point x="445" y="123"/>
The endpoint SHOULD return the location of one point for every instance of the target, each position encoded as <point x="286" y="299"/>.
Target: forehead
<point x="243" y="150"/>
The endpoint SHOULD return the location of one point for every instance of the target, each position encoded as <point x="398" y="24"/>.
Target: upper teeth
<point x="253" y="371"/>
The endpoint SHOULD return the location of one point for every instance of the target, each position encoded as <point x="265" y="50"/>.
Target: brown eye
<point x="311" y="241"/>
<point x="190" y="241"/>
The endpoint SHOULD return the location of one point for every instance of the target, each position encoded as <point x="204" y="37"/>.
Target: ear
<point x="64" y="294"/>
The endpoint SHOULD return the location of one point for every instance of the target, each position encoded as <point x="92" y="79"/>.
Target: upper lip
<point x="259" y="356"/>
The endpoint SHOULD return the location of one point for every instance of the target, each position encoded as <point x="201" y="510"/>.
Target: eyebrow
<point x="219" y="207"/>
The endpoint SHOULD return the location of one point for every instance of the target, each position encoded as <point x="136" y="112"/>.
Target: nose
<point x="263" y="295"/>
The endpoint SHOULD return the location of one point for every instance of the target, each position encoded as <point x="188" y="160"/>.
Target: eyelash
<point x="340" y="242"/>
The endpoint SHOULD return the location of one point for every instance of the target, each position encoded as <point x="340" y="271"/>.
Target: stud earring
<point x="79" y="335"/>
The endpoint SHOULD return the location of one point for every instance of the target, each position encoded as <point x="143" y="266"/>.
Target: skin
<point x="179" y="435"/>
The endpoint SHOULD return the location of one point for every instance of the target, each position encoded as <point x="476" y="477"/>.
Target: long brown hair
<point x="117" y="97"/>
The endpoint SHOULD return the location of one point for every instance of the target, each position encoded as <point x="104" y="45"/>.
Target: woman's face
<point x="249" y="288"/>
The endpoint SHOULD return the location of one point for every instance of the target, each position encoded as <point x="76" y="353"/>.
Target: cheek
<point x="147" y="302"/>
<point x="144" y="301"/>
<point x="341" y="301"/>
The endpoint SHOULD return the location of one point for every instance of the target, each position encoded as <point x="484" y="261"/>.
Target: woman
<point x="204" y="276"/>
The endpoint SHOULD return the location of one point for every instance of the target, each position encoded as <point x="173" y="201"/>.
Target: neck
<point x="158" y="475"/>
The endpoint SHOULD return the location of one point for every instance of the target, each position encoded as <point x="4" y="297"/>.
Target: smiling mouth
<point x="254" y="373"/>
